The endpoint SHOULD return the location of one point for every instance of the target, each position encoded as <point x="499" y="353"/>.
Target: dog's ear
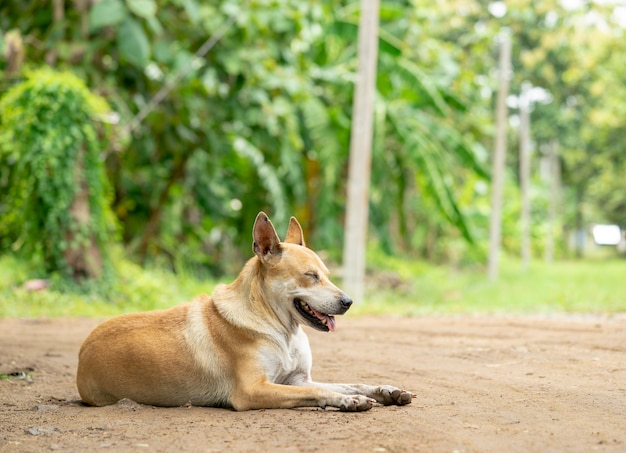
<point x="294" y="233"/>
<point x="266" y="241"/>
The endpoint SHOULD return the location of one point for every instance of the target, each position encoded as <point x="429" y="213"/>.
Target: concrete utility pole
<point x="524" y="170"/>
<point x="361" y="153"/>
<point x="497" y="176"/>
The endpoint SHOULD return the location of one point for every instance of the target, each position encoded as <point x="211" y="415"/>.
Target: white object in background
<point x="606" y="234"/>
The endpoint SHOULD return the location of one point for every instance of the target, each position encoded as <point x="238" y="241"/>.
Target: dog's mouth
<point x="317" y="320"/>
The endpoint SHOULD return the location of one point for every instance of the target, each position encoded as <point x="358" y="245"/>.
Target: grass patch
<point x="19" y="375"/>
<point x="132" y="289"/>
<point x="582" y="286"/>
<point x="395" y="286"/>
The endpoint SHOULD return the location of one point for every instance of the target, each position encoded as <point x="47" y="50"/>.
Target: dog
<point x="243" y="347"/>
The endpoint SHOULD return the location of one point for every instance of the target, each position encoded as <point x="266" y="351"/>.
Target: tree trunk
<point x="524" y="170"/>
<point x="497" y="174"/>
<point x="555" y="189"/>
<point x="579" y="222"/>
<point x="14" y="53"/>
<point x="83" y="257"/>
<point x="58" y="14"/>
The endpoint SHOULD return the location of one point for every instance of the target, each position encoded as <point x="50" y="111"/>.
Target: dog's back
<point x="163" y="358"/>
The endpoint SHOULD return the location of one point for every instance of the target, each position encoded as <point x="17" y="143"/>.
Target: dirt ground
<point x="484" y="384"/>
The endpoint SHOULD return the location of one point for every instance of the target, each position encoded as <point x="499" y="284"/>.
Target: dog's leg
<point x="383" y="394"/>
<point x="279" y="396"/>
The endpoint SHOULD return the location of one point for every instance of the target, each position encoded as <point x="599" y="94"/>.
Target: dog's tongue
<point x="330" y="320"/>
<point x="330" y="323"/>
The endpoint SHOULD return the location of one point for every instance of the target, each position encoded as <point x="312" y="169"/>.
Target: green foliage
<point x="50" y="148"/>
<point x="133" y="43"/>
<point x="106" y="13"/>
<point x="262" y="121"/>
<point x="419" y="155"/>
<point x="575" y="52"/>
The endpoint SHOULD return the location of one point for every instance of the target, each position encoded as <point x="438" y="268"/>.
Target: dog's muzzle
<point x="318" y="320"/>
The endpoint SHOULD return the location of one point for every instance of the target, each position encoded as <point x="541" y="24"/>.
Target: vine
<point x="54" y="195"/>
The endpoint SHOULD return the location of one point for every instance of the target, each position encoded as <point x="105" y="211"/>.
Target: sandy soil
<point x="484" y="384"/>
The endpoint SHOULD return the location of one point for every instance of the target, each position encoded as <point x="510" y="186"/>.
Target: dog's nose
<point x="345" y="301"/>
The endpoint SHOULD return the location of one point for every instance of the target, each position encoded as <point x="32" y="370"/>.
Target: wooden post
<point x="524" y="171"/>
<point x="359" y="169"/>
<point x="499" y="155"/>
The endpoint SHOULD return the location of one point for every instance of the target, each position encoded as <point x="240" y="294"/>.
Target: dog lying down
<point x="242" y="347"/>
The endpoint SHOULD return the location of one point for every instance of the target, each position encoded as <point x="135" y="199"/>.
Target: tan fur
<point x="242" y="347"/>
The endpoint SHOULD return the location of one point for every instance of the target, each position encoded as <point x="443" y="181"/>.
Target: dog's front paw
<point x="354" y="403"/>
<point x="388" y="395"/>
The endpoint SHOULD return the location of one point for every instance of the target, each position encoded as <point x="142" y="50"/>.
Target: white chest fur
<point x="287" y="360"/>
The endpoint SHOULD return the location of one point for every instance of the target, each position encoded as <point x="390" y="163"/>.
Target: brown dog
<point x="243" y="347"/>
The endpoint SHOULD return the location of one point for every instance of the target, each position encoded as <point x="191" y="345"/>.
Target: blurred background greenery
<point x="122" y="204"/>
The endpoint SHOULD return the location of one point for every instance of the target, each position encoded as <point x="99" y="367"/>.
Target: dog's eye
<point x="314" y="275"/>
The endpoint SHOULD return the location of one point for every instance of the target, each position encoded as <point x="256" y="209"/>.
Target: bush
<point x="54" y="196"/>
